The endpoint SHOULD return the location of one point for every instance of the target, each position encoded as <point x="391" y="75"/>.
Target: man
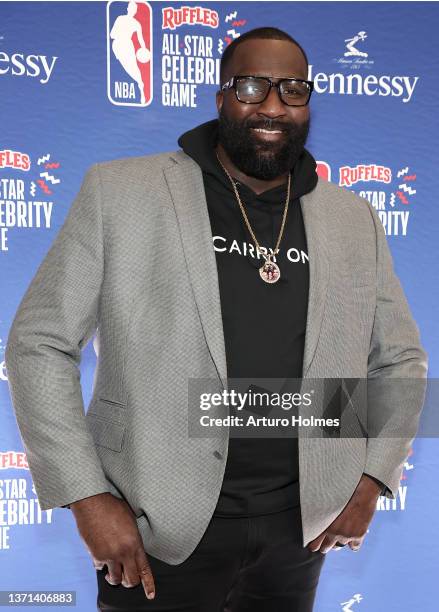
<point x="299" y="283"/>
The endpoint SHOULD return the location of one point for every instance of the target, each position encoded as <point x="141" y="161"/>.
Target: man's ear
<point x="219" y="100"/>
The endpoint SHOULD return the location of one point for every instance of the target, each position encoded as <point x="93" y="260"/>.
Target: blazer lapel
<point x="185" y="181"/>
<point x="316" y="227"/>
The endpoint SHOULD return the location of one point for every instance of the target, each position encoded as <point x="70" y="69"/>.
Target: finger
<point x="355" y="545"/>
<point x="341" y="543"/>
<point x="328" y="543"/>
<point x="315" y="544"/>
<point x="98" y="564"/>
<point x="114" y="575"/>
<point x="145" y="573"/>
<point x="130" y="575"/>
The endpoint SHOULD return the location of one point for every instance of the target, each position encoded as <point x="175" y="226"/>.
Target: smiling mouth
<point x="263" y="131"/>
<point x="268" y="136"/>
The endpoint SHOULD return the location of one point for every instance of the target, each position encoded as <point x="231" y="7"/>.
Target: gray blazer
<point x="134" y="262"/>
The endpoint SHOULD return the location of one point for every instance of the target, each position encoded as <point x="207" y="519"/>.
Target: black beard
<point x="262" y="160"/>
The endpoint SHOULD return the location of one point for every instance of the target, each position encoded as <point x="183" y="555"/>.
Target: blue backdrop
<point x="73" y="92"/>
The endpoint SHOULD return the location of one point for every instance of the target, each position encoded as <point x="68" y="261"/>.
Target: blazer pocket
<point x="106" y="432"/>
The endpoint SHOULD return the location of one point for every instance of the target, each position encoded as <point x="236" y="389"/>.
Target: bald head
<point x="261" y="35"/>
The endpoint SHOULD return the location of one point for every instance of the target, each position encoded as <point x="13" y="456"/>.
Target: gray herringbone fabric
<point x="134" y="260"/>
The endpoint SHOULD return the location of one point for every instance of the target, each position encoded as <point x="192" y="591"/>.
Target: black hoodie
<point x="264" y="324"/>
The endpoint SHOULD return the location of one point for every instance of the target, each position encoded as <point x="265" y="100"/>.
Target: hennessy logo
<point x="351" y="42"/>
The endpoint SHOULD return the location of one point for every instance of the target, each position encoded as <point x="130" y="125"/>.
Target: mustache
<point x="273" y="125"/>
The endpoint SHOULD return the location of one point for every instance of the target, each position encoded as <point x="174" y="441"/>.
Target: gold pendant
<point x="269" y="271"/>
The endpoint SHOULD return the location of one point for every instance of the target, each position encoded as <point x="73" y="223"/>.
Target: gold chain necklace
<point x="269" y="271"/>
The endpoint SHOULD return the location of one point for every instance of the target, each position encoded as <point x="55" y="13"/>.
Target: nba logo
<point x="129" y="53"/>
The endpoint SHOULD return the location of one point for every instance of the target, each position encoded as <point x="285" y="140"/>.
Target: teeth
<point x="268" y="131"/>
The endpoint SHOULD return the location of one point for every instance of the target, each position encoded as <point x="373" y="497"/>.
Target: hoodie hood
<point x="199" y="143"/>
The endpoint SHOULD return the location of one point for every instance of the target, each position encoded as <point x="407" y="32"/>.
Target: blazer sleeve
<point x="54" y="321"/>
<point x="397" y="371"/>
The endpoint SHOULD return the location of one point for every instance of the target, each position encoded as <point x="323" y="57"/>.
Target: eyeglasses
<point x="255" y="89"/>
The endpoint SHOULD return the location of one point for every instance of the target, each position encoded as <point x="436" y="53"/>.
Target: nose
<point x="272" y="106"/>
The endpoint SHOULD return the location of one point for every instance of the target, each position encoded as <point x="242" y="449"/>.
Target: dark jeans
<point x="252" y="564"/>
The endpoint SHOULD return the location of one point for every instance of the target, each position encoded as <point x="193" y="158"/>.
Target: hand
<point x="108" y="527"/>
<point x="350" y="527"/>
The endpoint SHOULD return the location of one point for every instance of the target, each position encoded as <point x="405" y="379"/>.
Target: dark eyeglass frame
<point x="231" y="83"/>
